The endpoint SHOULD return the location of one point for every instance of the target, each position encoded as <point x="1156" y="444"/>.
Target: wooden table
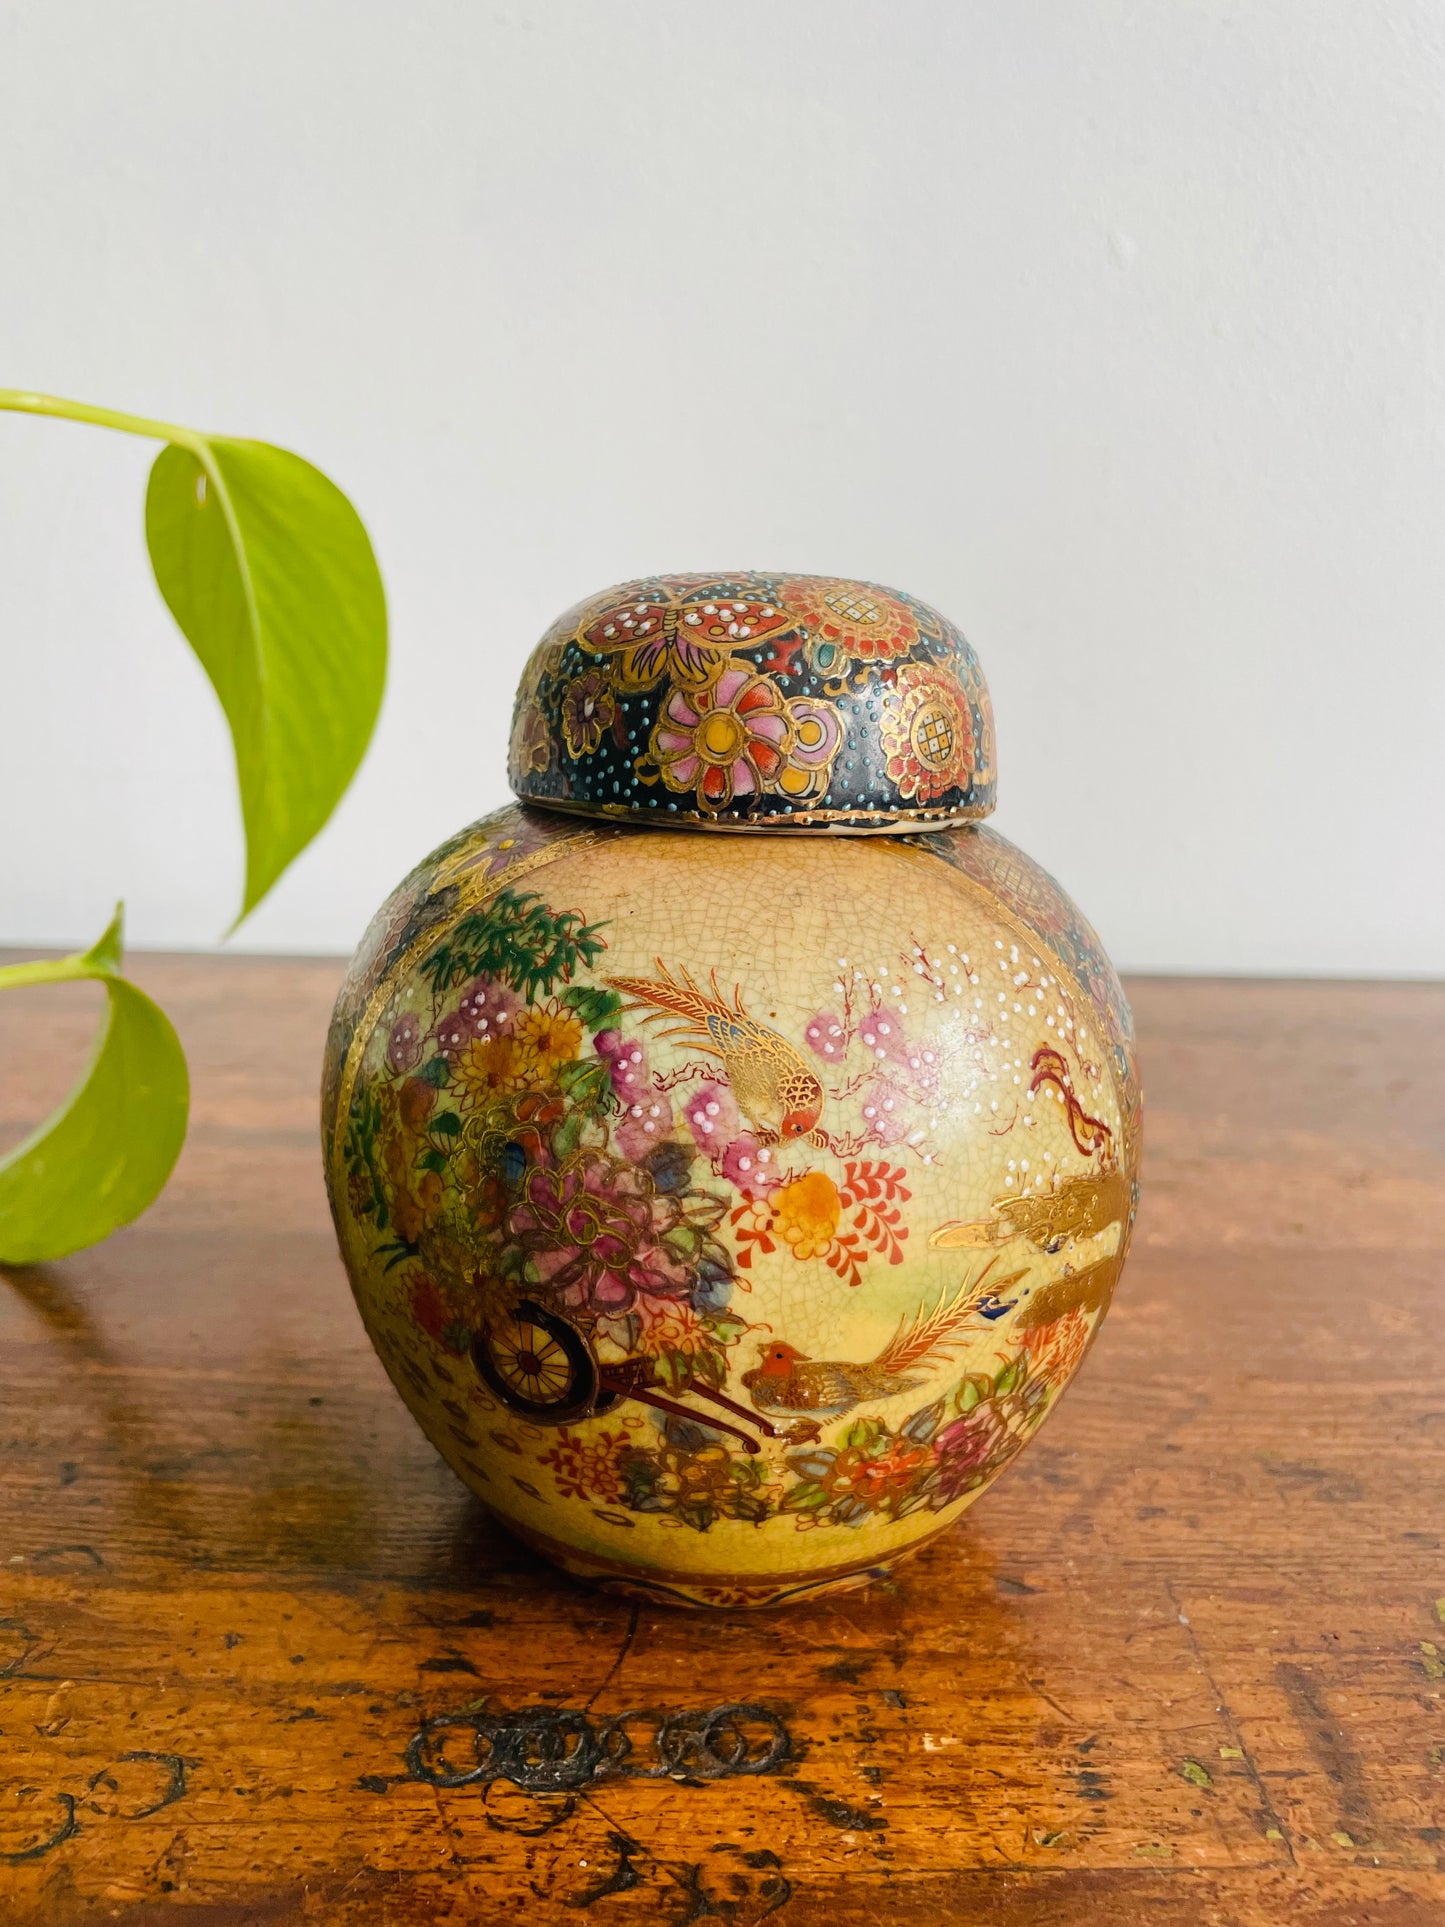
<point x="1185" y="1664"/>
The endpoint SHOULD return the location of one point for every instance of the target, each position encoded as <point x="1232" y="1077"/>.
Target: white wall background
<point x="1114" y="329"/>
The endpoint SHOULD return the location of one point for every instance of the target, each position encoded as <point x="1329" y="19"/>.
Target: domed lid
<point x="755" y="702"/>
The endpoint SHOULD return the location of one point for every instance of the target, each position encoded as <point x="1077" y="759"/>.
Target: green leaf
<point x="268" y="570"/>
<point x="1010" y="1376"/>
<point x="595" y="1008"/>
<point x="266" y="567"/>
<point x="98" y="1161"/>
<point x="973" y="1391"/>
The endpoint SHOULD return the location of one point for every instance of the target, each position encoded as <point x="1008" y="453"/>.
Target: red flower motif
<point x="855" y="618"/>
<point x="1056" y="1349"/>
<point x="927" y="734"/>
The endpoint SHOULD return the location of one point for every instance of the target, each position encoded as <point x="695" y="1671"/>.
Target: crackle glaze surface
<point x="748" y="700"/>
<point x="730" y="1212"/>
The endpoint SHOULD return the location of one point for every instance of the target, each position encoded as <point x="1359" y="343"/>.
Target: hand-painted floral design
<point x="518" y="1155"/>
<point x="403" y="1049"/>
<point x="976" y="1445"/>
<point x="693" y="1478"/>
<point x="598" y="1232"/>
<point x="712" y="1116"/>
<point x="585" y="1466"/>
<point x="530" y="750"/>
<point x="750" y="1166"/>
<point x="854" y="620"/>
<point x="805" y="1216"/>
<point x="927" y="733"/>
<point x="1057" y="1349"/>
<point x="622" y="685"/>
<point x="936" y="1456"/>
<point x="869" y="1471"/>
<point x="817" y="736"/>
<point x="514" y="1160"/>
<point x="588" y="709"/>
<point x="723" y="740"/>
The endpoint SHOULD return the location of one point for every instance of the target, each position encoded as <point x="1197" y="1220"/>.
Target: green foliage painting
<point x="268" y="571"/>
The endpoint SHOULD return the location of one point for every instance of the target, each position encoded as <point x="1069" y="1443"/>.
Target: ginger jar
<point x="731" y="1209"/>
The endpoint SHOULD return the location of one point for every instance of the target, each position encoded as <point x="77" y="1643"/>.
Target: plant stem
<point x="19" y="402"/>
<point x="50" y="970"/>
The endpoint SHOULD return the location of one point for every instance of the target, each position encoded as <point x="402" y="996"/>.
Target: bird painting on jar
<point x="787" y="1380"/>
<point x="776" y="1091"/>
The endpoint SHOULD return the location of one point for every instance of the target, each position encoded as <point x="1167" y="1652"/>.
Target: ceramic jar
<point x="730" y="1210"/>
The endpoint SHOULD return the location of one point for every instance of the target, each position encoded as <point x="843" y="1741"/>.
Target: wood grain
<point x="1185" y="1664"/>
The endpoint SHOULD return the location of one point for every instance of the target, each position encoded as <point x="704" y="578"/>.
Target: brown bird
<point x="777" y="1093"/>
<point x="787" y="1380"/>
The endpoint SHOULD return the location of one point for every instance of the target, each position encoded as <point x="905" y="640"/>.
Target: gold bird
<point x="1076" y="1208"/>
<point x="1091" y="1289"/>
<point x="777" y="1093"/>
<point x="787" y="1380"/>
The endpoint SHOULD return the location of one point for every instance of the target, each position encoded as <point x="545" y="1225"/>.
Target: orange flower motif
<point x="1056" y="1349"/>
<point x="854" y="619"/>
<point x="806" y="1214"/>
<point x="927" y="734"/>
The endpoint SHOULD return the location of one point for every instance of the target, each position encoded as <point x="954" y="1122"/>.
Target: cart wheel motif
<point x="537" y="1364"/>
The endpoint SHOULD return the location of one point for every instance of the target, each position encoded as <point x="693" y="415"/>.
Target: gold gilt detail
<point x="1079" y="1207"/>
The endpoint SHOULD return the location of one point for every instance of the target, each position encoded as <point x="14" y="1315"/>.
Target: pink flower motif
<point x="882" y="1032"/>
<point x="643" y="1126"/>
<point x="712" y="1117"/>
<point x="595" y="1231"/>
<point x="883" y="1113"/>
<point x="403" y="1049"/>
<point x="488" y="1006"/>
<point x="825" y="1034"/>
<point x="626" y="1065"/>
<point x="454" y="1033"/>
<point x="973" y="1448"/>
<point x="748" y="1165"/>
<point x="723" y="740"/>
<point x="923" y="1061"/>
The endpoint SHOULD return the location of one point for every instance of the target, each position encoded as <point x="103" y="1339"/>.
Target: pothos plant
<point x="270" y="576"/>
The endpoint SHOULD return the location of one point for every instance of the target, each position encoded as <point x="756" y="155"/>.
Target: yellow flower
<point x="806" y="1214"/>
<point x="484" y="1066"/>
<point x="544" y="1040"/>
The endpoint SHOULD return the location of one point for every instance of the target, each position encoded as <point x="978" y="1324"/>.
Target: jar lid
<point x="751" y="701"/>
